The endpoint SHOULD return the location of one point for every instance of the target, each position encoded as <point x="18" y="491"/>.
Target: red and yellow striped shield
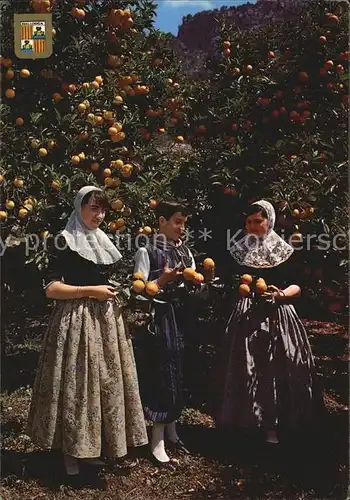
<point x="39" y="45"/>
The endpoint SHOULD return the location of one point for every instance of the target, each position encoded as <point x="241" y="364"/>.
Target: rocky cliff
<point x="197" y="34"/>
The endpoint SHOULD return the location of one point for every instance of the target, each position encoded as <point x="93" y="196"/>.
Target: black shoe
<point x="177" y="446"/>
<point x="171" y="465"/>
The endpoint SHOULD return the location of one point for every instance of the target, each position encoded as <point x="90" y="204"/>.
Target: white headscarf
<point x="91" y="244"/>
<point x="267" y="251"/>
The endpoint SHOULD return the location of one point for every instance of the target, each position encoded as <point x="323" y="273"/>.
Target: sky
<point x="171" y="12"/>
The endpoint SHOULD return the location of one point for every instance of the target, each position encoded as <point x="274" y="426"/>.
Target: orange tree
<point x="272" y="122"/>
<point x="104" y="109"/>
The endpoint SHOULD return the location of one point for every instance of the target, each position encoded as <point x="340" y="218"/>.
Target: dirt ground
<point x="305" y="466"/>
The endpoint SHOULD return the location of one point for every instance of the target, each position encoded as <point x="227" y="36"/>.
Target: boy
<point x="161" y="381"/>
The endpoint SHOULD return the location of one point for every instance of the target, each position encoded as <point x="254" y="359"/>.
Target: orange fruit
<point x="56" y="185"/>
<point x="112" y="227"/>
<point x="51" y="143"/>
<point x="120" y="223"/>
<point x="118" y="100"/>
<point x="153" y="203"/>
<point x="189" y="273"/>
<point x="138" y="286"/>
<point x="118" y="164"/>
<point x="3" y="215"/>
<point x="108" y="115"/>
<point x="112" y="131"/>
<point x="6" y="61"/>
<point x="81" y="108"/>
<point x="151" y="288"/>
<point x="10" y="204"/>
<point x="303" y="77"/>
<point x="209" y="264"/>
<point x="120" y="136"/>
<point x="10" y="93"/>
<point x="1" y="179"/>
<point x="42" y="152"/>
<point x="107" y="172"/>
<point x="138" y="276"/>
<point x="98" y="120"/>
<point x="109" y="182"/>
<point x="19" y="121"/>
<point x="22" y="212"/>
<point x="28" y="206"/>
<point x="117" y="204"/>
<point x="246" y="279"/>
<point x="261" y="286"/>
<point x="84" y="136"/>
<point x="244" y="290"/>
<point x="127" y="170"/>
<point x="57" y="97"/>
<point x="147" y="230"/>
<point x="24" y="73"/>
<point x="180" y="138"/>
<point x="18" y="182"/>
<point x="296" y="212"/>
<point x="99" y="79"/>
<point x="75" y="159"/>
<point x="9" y="74"/>
<point x="198" y="278"/>
<point x="328" y="65"/>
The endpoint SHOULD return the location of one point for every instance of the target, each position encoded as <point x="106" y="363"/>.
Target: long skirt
<point x="159" y="355"/>
<point x="268" y="377"/>
<point x="86" y="397"/>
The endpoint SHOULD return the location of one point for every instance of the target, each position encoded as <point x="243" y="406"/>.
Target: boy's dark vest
<point x="159" y="257"/>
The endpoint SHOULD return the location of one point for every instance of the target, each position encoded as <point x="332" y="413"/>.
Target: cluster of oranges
<point x="152" y="288"/>
<point x="41" y="6"/>
<point x="28" y="205"/>
<point x="146" y="230"/>
<point x="139" y="285"/>
<point x="119" y="18"/>
<point x="245" y="287"/>
<point x="196" y="278"/>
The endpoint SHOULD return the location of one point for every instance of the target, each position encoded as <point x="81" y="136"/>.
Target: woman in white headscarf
<point x="268" y="374"/>
<point x="86" y="397"/>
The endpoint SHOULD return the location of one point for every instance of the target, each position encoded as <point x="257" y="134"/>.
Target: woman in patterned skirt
<point x="86" y="396"/>
<point x="268" y="378"/>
